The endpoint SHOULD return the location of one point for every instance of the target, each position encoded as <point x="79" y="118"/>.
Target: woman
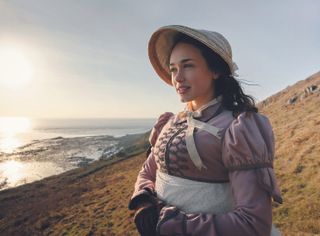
<point x="210" y="169"/>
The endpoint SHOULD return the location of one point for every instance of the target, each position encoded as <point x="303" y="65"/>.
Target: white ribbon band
<point x="192" y="124"/>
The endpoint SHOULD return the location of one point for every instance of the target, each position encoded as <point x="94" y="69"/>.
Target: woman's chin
<point x="184" y="99"/>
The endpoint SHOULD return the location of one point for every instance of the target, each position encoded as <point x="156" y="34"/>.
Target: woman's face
<point x="190" y="75"/>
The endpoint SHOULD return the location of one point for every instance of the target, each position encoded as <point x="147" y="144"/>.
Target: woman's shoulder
<point x="248" y="142"/>
<point x="246" y="120"/>
<point x="158" y="126"/>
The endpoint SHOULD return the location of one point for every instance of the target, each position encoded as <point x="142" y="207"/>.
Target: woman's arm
<point x="144" y="186"/>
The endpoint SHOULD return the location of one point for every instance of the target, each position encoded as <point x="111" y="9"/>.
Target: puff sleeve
<point x="144" y="186"/>
<point x="249" y="145"/>
<point x="247" y="152"/>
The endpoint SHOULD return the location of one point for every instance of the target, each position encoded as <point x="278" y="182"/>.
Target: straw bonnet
<point x="162" y="41"/>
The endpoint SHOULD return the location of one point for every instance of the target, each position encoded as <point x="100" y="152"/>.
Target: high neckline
<point x="204" y="106"/>
<point x="203" y="113"/>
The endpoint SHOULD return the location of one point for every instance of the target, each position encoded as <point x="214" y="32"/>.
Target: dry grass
<point x="297" y="163"/>
<point x="95" y="204"/>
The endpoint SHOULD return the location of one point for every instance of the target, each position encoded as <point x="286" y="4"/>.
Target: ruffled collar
<point x="203" y="113"/>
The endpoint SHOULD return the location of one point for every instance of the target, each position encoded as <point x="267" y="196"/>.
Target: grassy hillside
<point x="93" y="200"/>
<point x="297" y="164"/>
<point x="85" y="201"/>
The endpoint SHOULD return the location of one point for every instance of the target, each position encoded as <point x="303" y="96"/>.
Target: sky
<point x="88" y="58"/>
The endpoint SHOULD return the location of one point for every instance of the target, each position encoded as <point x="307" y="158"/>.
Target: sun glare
<point x="16" y="70"/>
<point x="10" y="127"/>
<point x="13" y="125"/>
<point x="12" y="170"/>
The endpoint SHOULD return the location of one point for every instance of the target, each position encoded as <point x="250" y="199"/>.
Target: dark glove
<point x="146" y="218"/>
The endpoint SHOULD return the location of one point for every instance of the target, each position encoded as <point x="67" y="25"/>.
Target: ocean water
<point x="17" y="131"/>
<point x="31" y="150"/>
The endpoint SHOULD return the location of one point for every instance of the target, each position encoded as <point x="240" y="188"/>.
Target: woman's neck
<point x="214" y="100"/>
<point x="195" y="105"/>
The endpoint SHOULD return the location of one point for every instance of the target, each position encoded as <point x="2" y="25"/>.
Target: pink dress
<point x="214" y="171"/>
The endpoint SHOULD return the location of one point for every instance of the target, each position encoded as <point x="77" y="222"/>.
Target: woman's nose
<point x="179" y="76"/>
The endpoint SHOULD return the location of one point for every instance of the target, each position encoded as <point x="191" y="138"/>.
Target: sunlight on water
<point x="11" y="171"/>
<point x="15" y="173"/>
<point x="10" y="128"/>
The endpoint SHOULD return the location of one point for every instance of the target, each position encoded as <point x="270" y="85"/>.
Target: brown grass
<point x="69" y="204"/>
<point x="297" y="163"/>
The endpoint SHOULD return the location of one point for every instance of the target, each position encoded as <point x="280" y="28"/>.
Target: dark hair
<point x="233" y="97"/>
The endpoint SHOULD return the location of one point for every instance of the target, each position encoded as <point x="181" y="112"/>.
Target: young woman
<point x="210" y="169"/>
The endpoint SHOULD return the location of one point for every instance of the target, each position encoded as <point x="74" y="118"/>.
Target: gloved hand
<point x="146" y="218"/>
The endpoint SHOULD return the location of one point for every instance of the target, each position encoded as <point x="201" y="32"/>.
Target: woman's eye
<point x="172" y="70"/>
<point x="187" y="65"/>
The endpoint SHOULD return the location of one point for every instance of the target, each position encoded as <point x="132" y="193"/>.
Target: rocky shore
<point x="60" y="154"/>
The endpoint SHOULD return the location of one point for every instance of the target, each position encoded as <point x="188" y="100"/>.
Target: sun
<point x="16" y="70"/>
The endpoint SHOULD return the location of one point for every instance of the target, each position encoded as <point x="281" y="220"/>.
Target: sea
<point x="32" y="149"/>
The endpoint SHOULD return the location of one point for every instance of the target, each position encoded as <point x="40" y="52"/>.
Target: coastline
<point x="43" y="158"/>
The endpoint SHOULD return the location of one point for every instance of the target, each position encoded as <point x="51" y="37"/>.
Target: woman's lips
<point x="183" y="89"/>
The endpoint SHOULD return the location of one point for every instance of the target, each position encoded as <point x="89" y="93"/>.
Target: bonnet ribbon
<point x="192" y="124"/>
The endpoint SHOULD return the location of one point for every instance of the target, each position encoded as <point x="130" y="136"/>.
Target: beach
<point x="62" y="145"/>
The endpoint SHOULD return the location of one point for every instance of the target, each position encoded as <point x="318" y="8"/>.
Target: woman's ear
<point x="215" y="75"/>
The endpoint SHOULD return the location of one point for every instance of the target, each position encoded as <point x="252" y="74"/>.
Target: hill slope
<point x="84" y="201"/>
<point x="295" y="115"/>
